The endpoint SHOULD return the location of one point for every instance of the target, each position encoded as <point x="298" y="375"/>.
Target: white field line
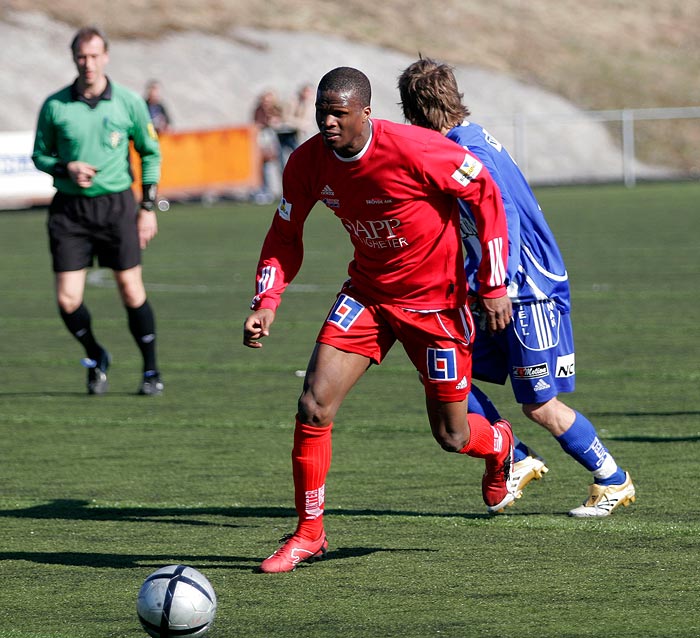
<point x="102" y="278"/>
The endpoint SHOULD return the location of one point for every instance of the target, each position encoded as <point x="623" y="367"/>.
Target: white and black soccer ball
<point x="176" y="601"/>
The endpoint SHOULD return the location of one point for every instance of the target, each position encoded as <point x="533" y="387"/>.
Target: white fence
<point x="597" y="146"/>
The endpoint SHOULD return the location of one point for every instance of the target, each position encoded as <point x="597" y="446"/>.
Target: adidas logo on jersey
<point x="462" y="384"/>
<point x="327" y="191"/>
<point x="541" y="385"/>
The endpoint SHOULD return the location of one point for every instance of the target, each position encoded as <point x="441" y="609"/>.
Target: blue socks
<point x="581" y="442"/>
<point x="479" y="403"/>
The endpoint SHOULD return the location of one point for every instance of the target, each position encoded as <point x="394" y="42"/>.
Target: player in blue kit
<point x="537" y="349"/>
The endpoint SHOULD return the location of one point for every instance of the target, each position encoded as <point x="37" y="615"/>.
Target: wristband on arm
<point x="148" y="200"/>
<point x="60" y="170"/>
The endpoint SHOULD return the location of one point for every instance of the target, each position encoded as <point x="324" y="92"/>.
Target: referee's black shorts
<point x="82" y="228"/>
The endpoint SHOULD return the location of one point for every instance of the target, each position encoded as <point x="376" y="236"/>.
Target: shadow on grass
<point x="81" y="510"/>
<point x="156" y="561"/>
<point x="645" y="414"/>
<point x="648" y="438"/>
<point x="654" y="439"/>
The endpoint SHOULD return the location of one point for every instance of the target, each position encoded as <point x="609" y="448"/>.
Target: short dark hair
<point x="345" y="78"/>
<point x="85" y="34"/>
<point x="430" y="96"/>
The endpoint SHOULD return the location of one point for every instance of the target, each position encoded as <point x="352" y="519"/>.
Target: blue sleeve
<point x="494" y="157"/>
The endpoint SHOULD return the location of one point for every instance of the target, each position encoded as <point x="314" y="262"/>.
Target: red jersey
<point x="398" y="201"/>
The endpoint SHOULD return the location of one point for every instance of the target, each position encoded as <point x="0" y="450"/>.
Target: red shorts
<point x="438" y="343"/>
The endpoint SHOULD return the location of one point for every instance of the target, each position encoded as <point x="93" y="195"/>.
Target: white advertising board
<point x="21" y="184"/>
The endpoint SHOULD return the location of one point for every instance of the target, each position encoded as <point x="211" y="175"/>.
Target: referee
<point x="82" y="140"/>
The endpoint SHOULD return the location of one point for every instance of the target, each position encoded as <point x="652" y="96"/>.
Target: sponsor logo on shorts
<point x="442" y="364"/>
<point x="566" y="366"/>
<point x="463" y="384"/>
<point x="345" y="312"/>
<point x="531" y="372"/>
<point x="541" y="386"/>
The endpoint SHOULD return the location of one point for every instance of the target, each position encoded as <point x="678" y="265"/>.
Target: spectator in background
<point x="267" y="117"/>
<point x="159" y="114"/>
<point x="298" y="121"/>
<point x="287" y="135"/>
<point x="302" y="113"/>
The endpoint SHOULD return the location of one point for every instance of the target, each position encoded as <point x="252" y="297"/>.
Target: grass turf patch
<point x="98" y="492"/>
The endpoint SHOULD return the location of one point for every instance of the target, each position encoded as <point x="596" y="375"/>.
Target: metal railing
<point x="590" y="146"/>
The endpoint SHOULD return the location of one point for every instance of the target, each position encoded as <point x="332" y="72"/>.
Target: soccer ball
<point x="176" y="601"/>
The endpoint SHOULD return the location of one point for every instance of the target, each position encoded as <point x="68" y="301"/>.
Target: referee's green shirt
<point x="70" y="129"/>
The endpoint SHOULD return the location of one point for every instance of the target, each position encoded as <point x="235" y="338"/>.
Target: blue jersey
<point x="535" y="270"/>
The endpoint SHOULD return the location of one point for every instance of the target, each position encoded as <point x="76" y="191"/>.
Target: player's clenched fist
<point x="257" y="326"/>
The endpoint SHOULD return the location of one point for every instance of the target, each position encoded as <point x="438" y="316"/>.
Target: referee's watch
<point x="148" y="199"/>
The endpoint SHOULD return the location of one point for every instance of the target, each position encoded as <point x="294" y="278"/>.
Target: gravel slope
<point x="212" y="81"/>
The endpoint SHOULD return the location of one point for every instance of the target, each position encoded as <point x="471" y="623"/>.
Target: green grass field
<point x="98" y="492"/>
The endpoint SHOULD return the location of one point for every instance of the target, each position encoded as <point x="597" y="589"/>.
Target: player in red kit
<point x="393" y="187"/>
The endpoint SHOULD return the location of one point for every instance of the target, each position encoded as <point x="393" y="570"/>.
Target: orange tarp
<point x="216" y="160"/>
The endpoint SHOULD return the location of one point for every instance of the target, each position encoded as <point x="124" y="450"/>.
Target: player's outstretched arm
<point x="257" y="326"/>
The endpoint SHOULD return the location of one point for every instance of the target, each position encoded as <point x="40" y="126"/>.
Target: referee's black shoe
<point x="97" y="373"/>
<point x="152" y="384"/>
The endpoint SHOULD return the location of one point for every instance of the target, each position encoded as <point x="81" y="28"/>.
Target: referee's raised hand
<point x="81" y="173"/>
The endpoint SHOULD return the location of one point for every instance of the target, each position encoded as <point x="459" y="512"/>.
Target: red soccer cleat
<point x="294" y="551"/>
<point x="497" y="492"/>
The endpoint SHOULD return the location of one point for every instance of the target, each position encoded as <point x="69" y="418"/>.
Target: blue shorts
<point x="536" y="351"/>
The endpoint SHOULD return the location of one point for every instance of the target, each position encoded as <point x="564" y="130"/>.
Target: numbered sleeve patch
<point x="345" y="312"/>
<point x="442" y="364"/>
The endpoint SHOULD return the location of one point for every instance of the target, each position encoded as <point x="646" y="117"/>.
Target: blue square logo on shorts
<point x="442" y="364"/>
<point x="345" y="312"/>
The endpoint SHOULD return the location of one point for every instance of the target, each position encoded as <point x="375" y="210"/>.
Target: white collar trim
<point x="361" y="153"/>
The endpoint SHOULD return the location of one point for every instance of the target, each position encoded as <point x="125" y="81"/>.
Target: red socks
<point x="311" y="460"/>
<point x="481" y="440"/>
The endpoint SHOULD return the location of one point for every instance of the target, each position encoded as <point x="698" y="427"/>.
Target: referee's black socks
<point x="142" y="324"/>
<point x="79" y="324"/>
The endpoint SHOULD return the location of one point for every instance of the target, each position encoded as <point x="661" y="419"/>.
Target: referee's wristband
<point x="60" y="169"/>
<point x="148" y="199"/>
